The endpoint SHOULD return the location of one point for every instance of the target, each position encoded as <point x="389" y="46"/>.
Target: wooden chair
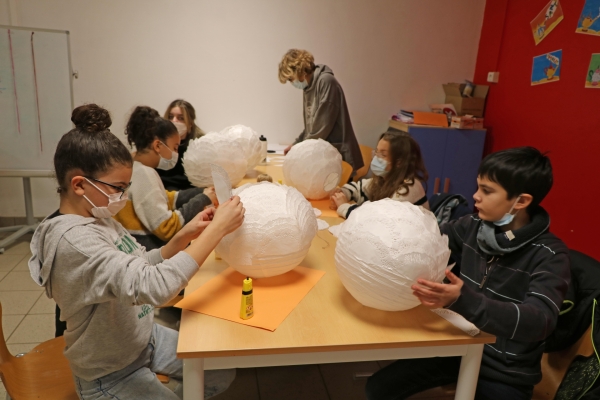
<point x="346" y="172"/>
<point x="43" y="373"/>
<point x="367" y="156"/>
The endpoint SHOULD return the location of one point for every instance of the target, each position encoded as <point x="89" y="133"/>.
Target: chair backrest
<point x="346" y="172"/>
<point x="367" y="156"/>
<point x="43" y="373"/>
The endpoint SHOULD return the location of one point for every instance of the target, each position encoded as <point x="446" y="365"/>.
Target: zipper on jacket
<point x="488" y="271"/>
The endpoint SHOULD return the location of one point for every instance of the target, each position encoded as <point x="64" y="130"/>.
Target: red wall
<point x="562" y="117"/>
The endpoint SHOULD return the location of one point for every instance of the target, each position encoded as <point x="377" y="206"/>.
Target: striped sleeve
<point x="153" y="205"/>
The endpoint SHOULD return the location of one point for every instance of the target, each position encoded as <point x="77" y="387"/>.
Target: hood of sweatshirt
<point x="320" y="69"/>
<point x="45" y="242"/>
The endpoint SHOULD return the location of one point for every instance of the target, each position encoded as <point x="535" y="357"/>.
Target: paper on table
<point x="323" y="206"/>
<point x="276" y="147"/>
<point x="322" y="224"/>
<point x="457" y="320"/>
<point x="274" y="298"/>
<point x="222" y="183"/>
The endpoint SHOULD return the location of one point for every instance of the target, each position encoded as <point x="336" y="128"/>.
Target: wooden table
<point x="328" y="326"/>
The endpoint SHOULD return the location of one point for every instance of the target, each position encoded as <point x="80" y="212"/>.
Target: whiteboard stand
<point x="30" y="223"/>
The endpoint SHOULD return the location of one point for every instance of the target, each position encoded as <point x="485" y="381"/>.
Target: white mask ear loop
<point x="514" y="204"/>
<point x="101" y="191"/>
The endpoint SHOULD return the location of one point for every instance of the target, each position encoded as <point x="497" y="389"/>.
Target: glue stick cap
<point x="247" y="285"/>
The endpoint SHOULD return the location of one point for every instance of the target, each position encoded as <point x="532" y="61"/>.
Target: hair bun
<point x="91" y="118"/>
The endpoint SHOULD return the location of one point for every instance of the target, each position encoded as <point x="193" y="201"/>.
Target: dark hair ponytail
<point x="90" y="148"/>
<point x="145" y="125"/>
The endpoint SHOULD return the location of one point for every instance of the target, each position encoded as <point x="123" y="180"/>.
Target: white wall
<point x="222" y="56"/>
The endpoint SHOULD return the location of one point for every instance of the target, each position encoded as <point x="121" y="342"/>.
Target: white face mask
<point x="116" y="202"/>
<point x="167" y="164"/>
<point x="181" y="128"/>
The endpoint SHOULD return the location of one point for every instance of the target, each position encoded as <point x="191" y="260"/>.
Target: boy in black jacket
<point x="513" y="279"/>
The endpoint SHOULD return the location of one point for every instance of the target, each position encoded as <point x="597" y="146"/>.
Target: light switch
<point x="493" y="77"/>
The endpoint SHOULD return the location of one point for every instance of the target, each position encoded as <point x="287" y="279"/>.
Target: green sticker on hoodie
<point x="126" y="245"/>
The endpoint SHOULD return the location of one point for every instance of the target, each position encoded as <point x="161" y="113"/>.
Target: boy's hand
<point x="438" y="295"/>
<point x="287" y="149"/>
<point x="337" y="199"/>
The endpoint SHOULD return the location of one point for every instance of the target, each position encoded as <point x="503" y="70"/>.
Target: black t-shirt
<point x="175" y="178"/>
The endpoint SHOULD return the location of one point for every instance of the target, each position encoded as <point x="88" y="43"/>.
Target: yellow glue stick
<point x="247" y="308"/>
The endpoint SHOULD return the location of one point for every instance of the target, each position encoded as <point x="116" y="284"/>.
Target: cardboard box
<point x="466" y="105"/>
<point x="466" y="122"/>
<point x="461" y="123"/>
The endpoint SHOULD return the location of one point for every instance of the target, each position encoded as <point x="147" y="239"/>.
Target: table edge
<point x="335" y="348"/>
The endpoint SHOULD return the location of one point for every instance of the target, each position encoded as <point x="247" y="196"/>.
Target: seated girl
<point x="399" y="173"/>
<point x="153" y="215"/>
<point x="105" y="283"/>
<point x="183" y="116"/>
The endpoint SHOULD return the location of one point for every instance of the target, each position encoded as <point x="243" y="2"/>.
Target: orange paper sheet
<point x="323" y="205"/>
<point x="428" y="118"/>
<point x="274" y="298"/>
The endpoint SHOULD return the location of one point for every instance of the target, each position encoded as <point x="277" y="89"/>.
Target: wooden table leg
<point x="193" y="379"/>
<point x="469" y="372"/>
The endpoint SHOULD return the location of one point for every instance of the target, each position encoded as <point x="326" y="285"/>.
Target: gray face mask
<point x="300" y="85"/>
<point x="167" y="164"/>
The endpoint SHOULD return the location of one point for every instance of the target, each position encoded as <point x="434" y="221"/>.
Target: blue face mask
<point x="300" y="85"/>
<point x="378" y="166"/>
<point x="508" y="217"/>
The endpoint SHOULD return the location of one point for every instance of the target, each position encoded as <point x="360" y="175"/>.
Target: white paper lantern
<point x="213" y="148"/>
<point x="249" y="141"/>
<point x="313" y="167"/>
<point x="384" y="247"/>
<point x="277" y="232"/>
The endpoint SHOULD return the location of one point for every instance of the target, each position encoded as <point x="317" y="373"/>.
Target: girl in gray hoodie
<point x="104" y="282"/>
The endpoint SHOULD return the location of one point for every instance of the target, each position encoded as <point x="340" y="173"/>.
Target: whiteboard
<point x="36" y="96"/>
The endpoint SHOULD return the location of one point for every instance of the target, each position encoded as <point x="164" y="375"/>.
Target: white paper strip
<point x="457" y="320"/>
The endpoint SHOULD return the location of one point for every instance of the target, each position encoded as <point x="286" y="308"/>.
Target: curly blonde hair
<point x="296" y="64"/>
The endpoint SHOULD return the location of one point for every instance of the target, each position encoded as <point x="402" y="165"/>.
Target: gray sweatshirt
<point x="106" y="286"/>
<point x="326" y="116"/>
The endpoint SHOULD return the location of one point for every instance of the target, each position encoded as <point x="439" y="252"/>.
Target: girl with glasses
<point x="105" y="283"/>
<point x="398" y="173"/>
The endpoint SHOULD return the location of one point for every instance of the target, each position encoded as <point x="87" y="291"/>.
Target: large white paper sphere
<point x="213" y="148"/>
<point x="384" y="247"/>
<point x="249" y="140"/>
<point x="279" y="226"/>
<point x="313" y="167"/>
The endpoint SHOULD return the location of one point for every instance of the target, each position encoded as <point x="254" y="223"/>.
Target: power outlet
<point x="493" y="77"/>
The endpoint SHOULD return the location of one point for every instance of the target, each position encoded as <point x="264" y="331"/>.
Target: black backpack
<point x="448" y="207"/>
<point x="579" y="310"/>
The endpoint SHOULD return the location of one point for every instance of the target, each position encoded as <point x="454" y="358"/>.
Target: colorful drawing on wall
<point x="589" y="20"/>
<point x="592" y="80"/>
<point x="546" y="20"/>
<point x="546" y="68"/>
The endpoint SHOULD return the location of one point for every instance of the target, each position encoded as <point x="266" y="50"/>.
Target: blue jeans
<point x="404" y="378"/>
<point x="138" y="380"/>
